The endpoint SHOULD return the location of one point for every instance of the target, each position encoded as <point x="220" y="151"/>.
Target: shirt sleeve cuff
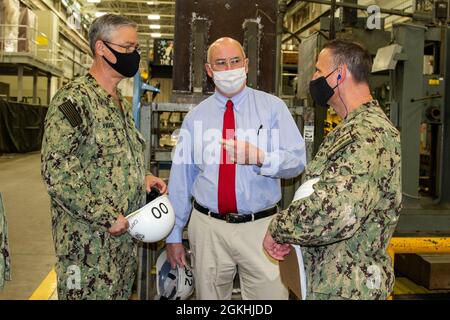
<point x="175" y="236"/>
<point x="273" y="226"/>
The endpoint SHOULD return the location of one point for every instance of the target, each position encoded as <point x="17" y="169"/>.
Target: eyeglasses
<point x="128" y="49"/>
<point x="221" y="64"/>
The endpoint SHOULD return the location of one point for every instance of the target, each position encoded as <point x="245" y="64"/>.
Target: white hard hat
<point x="153" y="222"/>
<point x="173" y="284"/>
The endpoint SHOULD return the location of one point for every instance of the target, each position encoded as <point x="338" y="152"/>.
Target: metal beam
<point x="418" y="245"/>
<point x="251" y="45"/>
<point x="361" y="7"/>
<point x="138" y="14"/>
<point x="35" y="83"/>
<point x="445" y="174"/>
<point x="278" y="54"/>
<point x="332" y="26"/>
<point x="312" y="22"/>
<point x="20" y="83"/>
<point x="295" y="6"/>
<point x="162" y="34"/>
<point x="143" y="1"/>
<point x="49" y="86"/>
<point x="409" y="86"/>
<point x="162" y="25"/>
<point x="306" y="26"/>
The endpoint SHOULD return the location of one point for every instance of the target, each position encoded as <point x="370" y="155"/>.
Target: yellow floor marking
<point x="46" y="289"/>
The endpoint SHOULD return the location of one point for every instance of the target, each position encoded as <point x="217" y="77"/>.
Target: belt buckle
<point x="228" y="218"/>
<point x="233" y="218"/>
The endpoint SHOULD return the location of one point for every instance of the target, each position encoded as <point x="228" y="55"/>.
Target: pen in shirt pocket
<point x="260" y="127"/>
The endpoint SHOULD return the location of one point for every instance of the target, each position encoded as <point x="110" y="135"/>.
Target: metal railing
<point x="24" y="39"/>
<point x="418" y="245"/>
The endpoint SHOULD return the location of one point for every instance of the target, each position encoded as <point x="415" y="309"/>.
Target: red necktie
<point x="227" y="170"/>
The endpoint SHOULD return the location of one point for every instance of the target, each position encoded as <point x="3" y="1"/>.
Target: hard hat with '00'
<point x="154" y="221"/>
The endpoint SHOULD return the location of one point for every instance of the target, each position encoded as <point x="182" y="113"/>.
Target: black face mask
<point x="127" y="64"/>
<point x="321" y="91"/>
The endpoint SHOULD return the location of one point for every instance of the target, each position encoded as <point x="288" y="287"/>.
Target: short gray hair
<point x="102" y="27"/>
<point x="354" y="55"/>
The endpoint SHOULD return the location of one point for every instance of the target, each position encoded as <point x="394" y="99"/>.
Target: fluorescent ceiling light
<point x="150" y="3"/>
<point x="155" y="26"/>
<point x="156" y="35"/>
<point x="94" y="1"/>
<point x="154" y="17"/>
<point x="99" y="14"/>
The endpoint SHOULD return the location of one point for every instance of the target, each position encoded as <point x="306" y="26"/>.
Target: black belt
<point x="236" y="218"/>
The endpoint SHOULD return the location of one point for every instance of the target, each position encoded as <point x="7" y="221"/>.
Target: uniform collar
<point x="90" y="78"/>
<point x="237" y="99"/>
<point x="362" y="108"/>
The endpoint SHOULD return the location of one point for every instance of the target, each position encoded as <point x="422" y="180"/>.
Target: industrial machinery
<point x="411" y="65"/>
<point x="410" y="79"/>
<point x="418" y="65"/>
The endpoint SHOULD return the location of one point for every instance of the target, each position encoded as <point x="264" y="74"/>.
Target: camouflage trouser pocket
<point x="77" y="279"/>
<point x="87" y="254"/>
<point x="111" y="277"/>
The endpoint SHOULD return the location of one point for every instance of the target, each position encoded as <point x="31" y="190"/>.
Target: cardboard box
<point x="290" y="273"/>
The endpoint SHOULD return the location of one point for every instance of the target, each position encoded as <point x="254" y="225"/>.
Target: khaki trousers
<point x="220" y="248"/>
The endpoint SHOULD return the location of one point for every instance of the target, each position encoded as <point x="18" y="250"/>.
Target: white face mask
<point x="230" y="81"/>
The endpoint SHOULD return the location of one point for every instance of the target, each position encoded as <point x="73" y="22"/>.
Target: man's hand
<point x="243" y="152"/>
<point x="176" y="254"/>
<point x="120" y="227"/>
<point x="152" y="181"/>
<point x="275" y="250"/>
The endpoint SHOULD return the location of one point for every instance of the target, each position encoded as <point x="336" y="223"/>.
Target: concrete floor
<point x="29" y="226"/>
<point x="31" y="246"/>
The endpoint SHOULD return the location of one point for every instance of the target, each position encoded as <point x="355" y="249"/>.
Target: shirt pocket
<point x="111" y="158"/>
<point x="110" y="141"/>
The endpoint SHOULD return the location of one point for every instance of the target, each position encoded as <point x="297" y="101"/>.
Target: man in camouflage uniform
<point x="93" y="167"/>
<point x="5" y="262"/>
<point x="345" y="224"/>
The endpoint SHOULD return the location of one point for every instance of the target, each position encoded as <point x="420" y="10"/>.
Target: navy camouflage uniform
<point x="93" y="167"/>
<point x="5" y="260"/>
<point x="345" y="225"/>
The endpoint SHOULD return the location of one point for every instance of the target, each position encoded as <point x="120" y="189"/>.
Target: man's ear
<point x="342" y="73"/>
<point x="246" y="60"/>
<point x="209" y="70"/>
<point x="100" y="48"/>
